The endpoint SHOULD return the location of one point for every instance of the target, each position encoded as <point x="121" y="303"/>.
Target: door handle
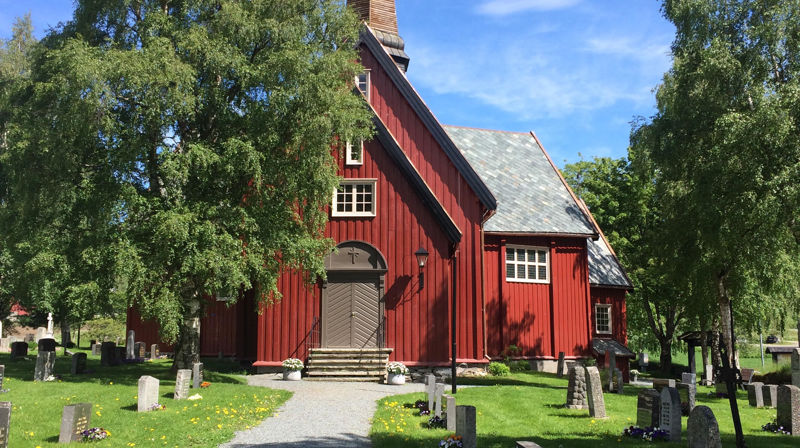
<point x="353" y="314"/>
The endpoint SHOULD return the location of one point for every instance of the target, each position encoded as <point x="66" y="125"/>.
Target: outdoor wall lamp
<point x="422" y="258"/>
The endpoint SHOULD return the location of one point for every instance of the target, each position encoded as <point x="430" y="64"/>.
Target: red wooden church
<point x="435" y="225"/>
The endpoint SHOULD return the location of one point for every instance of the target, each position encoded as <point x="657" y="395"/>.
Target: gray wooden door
<point x="351" y="313"/>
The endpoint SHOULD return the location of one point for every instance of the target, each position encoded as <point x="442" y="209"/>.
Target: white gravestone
<point x="148" y="393"/>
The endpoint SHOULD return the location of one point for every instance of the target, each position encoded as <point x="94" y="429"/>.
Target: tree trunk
<point x="725" y="315"/>
<point x="704" y="348"/>
<point x="187" y="348"/>
<point x="666" y="354"/>
<point x="716" y="357"/>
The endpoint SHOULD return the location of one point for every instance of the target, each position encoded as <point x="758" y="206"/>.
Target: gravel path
<point x="319" y="414"/>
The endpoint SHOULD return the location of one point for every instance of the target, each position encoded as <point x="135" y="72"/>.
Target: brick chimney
<point x="382" y="18"/>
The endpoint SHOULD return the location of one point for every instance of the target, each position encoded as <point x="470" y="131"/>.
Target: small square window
<point x="527" y="264"/>
<point x="354" y="197"/>
<point x="602" y="318"/>
<point x="363" y="83"/>
<point x="355" y="153"/>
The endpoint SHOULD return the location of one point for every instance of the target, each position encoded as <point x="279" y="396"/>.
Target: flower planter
<point x="396" y="379"/>
<point x="291" y="375"/>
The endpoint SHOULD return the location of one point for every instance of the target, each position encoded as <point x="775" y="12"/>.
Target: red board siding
<point x="619" y="324"/>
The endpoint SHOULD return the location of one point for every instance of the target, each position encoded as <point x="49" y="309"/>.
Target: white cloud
<point x="628" y="48"/>
<point x="506" y="7"/>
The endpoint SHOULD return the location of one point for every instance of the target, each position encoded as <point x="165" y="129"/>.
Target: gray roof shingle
<point x="604" y="268"/>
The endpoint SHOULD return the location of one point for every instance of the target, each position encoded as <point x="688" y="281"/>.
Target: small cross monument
<point x="49" y="325"/>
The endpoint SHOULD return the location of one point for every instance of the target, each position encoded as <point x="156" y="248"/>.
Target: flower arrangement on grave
<point x="437" y="422"/>
<point x="205" y="384"/>
<point x="397" y="368"/>
<point x="292" y="364"/>
<point x="774" y="427"/>
<point x="422" y="405"/>
<point x="157" y="407"/>
<point x="94" y="434"/>
<point x="648" y="434"/>
<point x="635" y="374"/>
<point x="452" y="441"/>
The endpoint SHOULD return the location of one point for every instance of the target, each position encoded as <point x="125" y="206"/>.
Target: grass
<point x="529" y="406"/>
<point x="227" y="405"/>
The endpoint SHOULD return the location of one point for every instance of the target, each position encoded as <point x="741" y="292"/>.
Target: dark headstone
<point x="576" y="388"/>
<point x="594" y="393"/>
<point x="148" y="393"/>
<point x="119" y="355"/>
<point x="670" y="420"/>
<point x="5" y="422"/>
<point x="75" y="419"/>
<point x="78" y="363"/>
<point x="770" y="392"/>
<point x="45" y="362"/>
<point x="648" y="409"/>
<point x="154" y="351"/>
<point x="92" y="342"/>
<point x="129" y="353"/>
<point x="182" y="382"/>
<point x="789" y="409"/>
<point x="47" y="345"/>
<point x="465" y="426"/>
<point x="450" y="403"/>
<point x="755" y="394"/>
<point x="107" y="353"/>
<point x="197" y="375"/>
<point x="660" y="383"/>
<point x="702" y="429"/>
<point x="19" y="350"/>
<point x="561" y="367"/>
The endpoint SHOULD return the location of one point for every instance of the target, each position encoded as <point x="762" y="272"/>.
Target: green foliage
<point x="498" y="369"/>
<point x="519" y="365"/>
<point x="105" y="328"/>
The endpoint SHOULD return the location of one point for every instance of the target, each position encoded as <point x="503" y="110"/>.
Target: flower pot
<point x="291" y="375"/>
<point x="396" y="379"/>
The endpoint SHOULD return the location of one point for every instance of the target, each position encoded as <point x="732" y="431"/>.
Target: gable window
<point x="355" y="153"/>
<point x="354" y="197"/>
<point x="602" y="318"/>
<point x="363" y="83"/>
<point x="527" y="264"/>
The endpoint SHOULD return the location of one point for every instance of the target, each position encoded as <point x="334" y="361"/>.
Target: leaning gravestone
<point x="74" y="420"/>
<point x="78" y="363"/>
<point x="770" y="393"/>
<point x="560" y="368"/>
<point x="755" y="394"/>
<point x="796" y="367"/>
<point x="182" y="381"/>
<point x="648" y="409"/>
<point x="96" y="349"/>
<point x="129" y="354"/>
<point x="154" y="351"/>
<point x="576" y="388"/>
<point x="45" y="362"/>
<point x="19" y="350"/>
<point x="688" y="393"/>
<point x="437" y="407"/>
<point x="789" y="409"/>
<point x="670" y="420"/>
<point x="430" y="389"/>
<point x="702" y="429"/>
<point x="465" y="426"/>
<point x="197" y="375"/>
<point x="148" y="393"/>
<point x="5" y="422"/>
<point x="107" y="353"/>
<point x="451" y="412"/>
<point x="660" y="383"/>
<point x="594" y="393"/>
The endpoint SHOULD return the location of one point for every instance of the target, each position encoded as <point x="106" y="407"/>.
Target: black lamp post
<point x="422" y="258"/>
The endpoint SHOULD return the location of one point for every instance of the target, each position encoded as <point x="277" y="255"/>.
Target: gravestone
<point x="770" y="392"/>
<point x="182" y="381"/>
<point x="154" y="351"/>
<point x="527" y="444"/>
<point x="19" y="350"/>
<point x="2" y="377"/>
<point x="41" y="333"/>
<point x="47" y="345"/>
<point x="5" y="422"/>
<point x="688" y="394"/>
<point x="644" y="361"/>
<point x="689" y="378"/>
<point x="560" y="369"/>
<point x="140" y="349"/>
<point x="620" y="382"/>
<point x="129" y="353"/>
<point x="78" y="363"/>
<point x="430" y="389"/>
<point x="755" y="394"/>
<point x="648" y="409"/>
<point x="576" y="388"/>
<point x="594" y="393"/>
<point x="450" y="403"/>
<point x="45" y="362"/>
<point x="670" y="419"/>
<point x="708" y="375"/>
<point x="119" y="355"/>
<point x="75" y="419"/>
<point x="5" y="345"/>
<point x="107" y="353"/>
<point x="96" y="349"/>
<point x="789" y="409"/>
<point x="660" y="383"/>
<point x="92" y="342"/>
<point x="465" y="426"/>
<point x="438" y="400"/>
<point x="148" y="393"/>
<point x="197" y="375"/>
<point x="611" y="367"/>
<point x="796" y="367"/>
<point x="702" y="429"/>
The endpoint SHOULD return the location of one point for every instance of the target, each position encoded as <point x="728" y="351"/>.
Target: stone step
<point x="368" y="361"/>
<point x="335" y="371"/>
<point x="349" y="379"/>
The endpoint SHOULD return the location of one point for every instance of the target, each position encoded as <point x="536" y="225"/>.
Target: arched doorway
<point x="352" y="297"/>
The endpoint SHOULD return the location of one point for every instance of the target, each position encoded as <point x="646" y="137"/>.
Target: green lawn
<point x="529" y="406"/>
<point x="227" y="405"/>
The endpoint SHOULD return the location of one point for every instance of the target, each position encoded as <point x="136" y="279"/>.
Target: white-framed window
<point x="355" y="153"/>
<point x="363" y="83"/>
<point x="602" y="318"/>
<point x="354" y="197"/>
<point x="527" y="264"/>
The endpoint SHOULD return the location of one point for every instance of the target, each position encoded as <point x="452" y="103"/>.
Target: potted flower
<point x="397" y="372"/>
<point x="291" y="369"/>
<point x="635" y="375"/>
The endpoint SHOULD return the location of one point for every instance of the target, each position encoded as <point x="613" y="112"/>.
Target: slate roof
<point x="531" y="197"/>
<point x="604" y="268"/>
<point x="600" y="346"/>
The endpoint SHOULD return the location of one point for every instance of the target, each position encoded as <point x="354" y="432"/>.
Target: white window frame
<point x="368" y="82"/>
<point x="372" y="182"/>
<point x="536" y="264"/>
<point x="607" y="307"/>
<point x="349" y="160"/>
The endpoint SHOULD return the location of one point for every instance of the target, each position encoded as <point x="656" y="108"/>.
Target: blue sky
<point x="574" y="71"/>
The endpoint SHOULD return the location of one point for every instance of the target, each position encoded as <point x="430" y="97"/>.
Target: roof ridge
<point x="484" y="129"/>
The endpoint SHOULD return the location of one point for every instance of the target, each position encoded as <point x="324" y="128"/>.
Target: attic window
<point x="354" y="197"/>
<point x="602" y="318"/>
<point x="527" y="264"/>
<point x="355" y="153"/>
<point x="363" y="83"/>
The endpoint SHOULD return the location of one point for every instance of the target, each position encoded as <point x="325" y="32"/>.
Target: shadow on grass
<point x="530" y="379"/>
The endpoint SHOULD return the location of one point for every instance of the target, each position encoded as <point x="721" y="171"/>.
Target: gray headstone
<point x="96" y="349"/>
<point x="75" y="419"/>
<point x="611" y="367"/>
<point x="648" y="409"/>
<point x="688" y="394"/>
<point x="670" y="420"/>
<point x="148" y="393"/>
<point x="430" y="389"/>
<point x="107" y="353"/>
<point x="796" y="367"/>
<point x="789" y="409"/>
<point x="5" y="422"/>
<point x="620" y="382"/>
<point x="2" y="376"/>
<point x="755" y="394"/>
<point x="770" y="392"/>
<point x="154" y="354"/>
<point x="594" y="392"/>
<point x="702" y="429"/>
<point x="45" y="362"/>
<point x="182" y="382"/>
<point x="644" y="361"/>
<point x="19" y="350"/>
<point x="450" y="403"/>
<point x="689" y="378"/>
<point x="576" y="388"/>
<point x="561" y="368"/>
<point x="438" y="400"/>
<point x="660" y="383"/>
<point x="46" y="345"/>
<point x="78" y="363"/>
<point x="197" y="374"/>
<point x="527" y="444"/>
<point x="140" y="349"/>
<point x="465" y="426"/>
<point x="129" y="348"/>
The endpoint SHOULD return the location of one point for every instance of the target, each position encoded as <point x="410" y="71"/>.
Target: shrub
<point x="104" y="329"/>
<point x="498" y="369"/>
<point x="519" y="365"/>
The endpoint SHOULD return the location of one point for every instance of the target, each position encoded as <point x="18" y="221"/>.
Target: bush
<point x="105" y="329"/>
<point x="498" y="369"/>
<point x="519" y="365"/>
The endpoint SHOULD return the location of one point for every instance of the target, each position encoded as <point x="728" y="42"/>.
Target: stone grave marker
<point x="560" y="369"/>
<point x="576" y="388"/>
<point x="129" y="353"/>
<point x="5" y="345"/>
<point x="438" y="400"/>
<point x="430" y="389"/>
<point x="119" y="355"/>
<point x="75" y="419"/>
<point x="755" y="394"/>
<point x="527" y="444"/>
<point x="78" y="363"/>
<point x="796" y="367"/>
<point x="107" y="353"/>
<point x="688" y="394"/>
<point x="148" y="393"/>
<point x="660" y="383"/>
<point x="197" y="374"/>
<point x="789" y="409"/>
<point x="670" y="420"/>
<point x="47" y="345"/>
<point x="41" y="333"/>
<point x="770" y="392"/>
<point x="620" y="382"/>
<point x="644" y="361"/>
<point x="154" y="351"/>
<point x="19" y="350"/>
<point x="2" y="377"/>
<point x="5" y="422"/>
<point x="689" y="378"/>
<point x="182" y="381"/>
<point x="594" y="393"/>
<point x="465" y="426"/>
<point x="96" y="349"/>
<point x="702" y="429"/>
<point x="140" y="349"/>
<point x="708" y="375"/>
<point x="45" y="362"/>
<point x="450" y="402"/>
<point x="648" y="409"/>
<point x="611" y="367"/>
